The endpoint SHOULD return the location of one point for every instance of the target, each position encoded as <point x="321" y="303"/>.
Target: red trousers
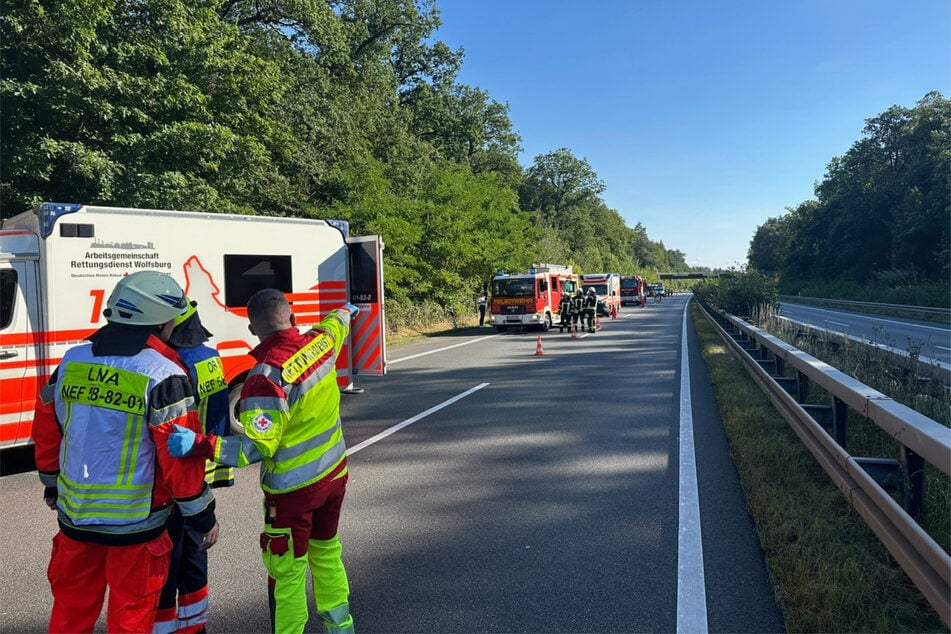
<point x="79" y="573"/>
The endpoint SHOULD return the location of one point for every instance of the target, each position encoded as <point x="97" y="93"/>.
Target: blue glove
<point x="180" y="441"/>
<point x="352" y="308"/>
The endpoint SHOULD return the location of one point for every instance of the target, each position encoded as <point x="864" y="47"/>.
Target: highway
<point x="493" y="489"/>
<point x="932" y="340"/>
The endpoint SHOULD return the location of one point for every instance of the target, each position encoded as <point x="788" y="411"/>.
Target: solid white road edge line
<point x="691" y="592"/>
<point x="409" y="421"/>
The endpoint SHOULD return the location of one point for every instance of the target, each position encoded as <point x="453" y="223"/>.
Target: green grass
<point x="830" y="572"/>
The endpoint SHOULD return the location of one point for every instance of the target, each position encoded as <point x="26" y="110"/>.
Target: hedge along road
<point x="493" y="489"/>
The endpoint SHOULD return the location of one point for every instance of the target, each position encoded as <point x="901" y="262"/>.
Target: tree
<point x="767" y="250"/>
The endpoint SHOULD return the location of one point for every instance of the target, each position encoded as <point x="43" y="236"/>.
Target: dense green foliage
<point x="743" y="294"/>
<point x="313" y="108"/>
<point x="880" y="220"/>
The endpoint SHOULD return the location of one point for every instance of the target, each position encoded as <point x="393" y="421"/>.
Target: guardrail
<point x="865" y="482"/>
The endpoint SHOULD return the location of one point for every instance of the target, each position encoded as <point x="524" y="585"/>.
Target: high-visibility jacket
<point x="590" y="301"/>
<point x="290" y="410"/>
<point x="100" y="432"/>
<point x="207" y="374"/>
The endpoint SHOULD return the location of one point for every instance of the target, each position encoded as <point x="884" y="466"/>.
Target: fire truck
<point x="633" y="290"/>
<point x="607" y="286"/>
<point x="530" y="299"/>
<point x="60" y="262"/>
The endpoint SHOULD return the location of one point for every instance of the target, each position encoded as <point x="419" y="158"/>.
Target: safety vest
<point x="107" y="455"/>
<point x="208" y="377"/>
<point x="590" y="301"/>
<point x="290" y="409"/>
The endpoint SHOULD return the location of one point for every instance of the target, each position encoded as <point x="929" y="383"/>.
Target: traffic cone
<point x="538" y="348"/>
<point x="574" y="331"/>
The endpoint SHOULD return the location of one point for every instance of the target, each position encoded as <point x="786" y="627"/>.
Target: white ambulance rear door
<point x="368" y="331"/>
<point x="19" y="335"/>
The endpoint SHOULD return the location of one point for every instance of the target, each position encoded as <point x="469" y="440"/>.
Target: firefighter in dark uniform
<point x="564" y="311"/>
<point x="590" y="306"/>
<point x="577" y="306"/>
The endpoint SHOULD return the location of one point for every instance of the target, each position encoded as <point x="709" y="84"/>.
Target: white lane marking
<point x="942" y="348"/>
<point x="691" y="591"/>
<point x="423" y="354"/>
<point x="875" y="318"/>
<point x="864" y="341"/>
<point x="837" y="323"/>
<point x="409" y="421"/>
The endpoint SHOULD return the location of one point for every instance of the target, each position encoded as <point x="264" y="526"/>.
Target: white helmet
<point x="145" y="298"/>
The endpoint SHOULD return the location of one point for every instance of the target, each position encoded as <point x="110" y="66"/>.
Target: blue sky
<point x="703" y="119"/>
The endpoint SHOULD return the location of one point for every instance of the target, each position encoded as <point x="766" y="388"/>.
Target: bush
<point x="743" y="294"/>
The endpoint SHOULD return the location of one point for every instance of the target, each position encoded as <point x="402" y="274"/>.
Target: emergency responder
<point x="290" y="410"/>
<point x="590" y="307"/>
<point x="183" y="606"/>
<point x="100" y="433"/>
<point x="577" y="307"/>
<point x="564" y="311"/>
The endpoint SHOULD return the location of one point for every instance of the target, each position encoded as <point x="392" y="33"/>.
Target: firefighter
<point x="290" y="410"/>
<point x="100" y="433"/>
<point x="183" y="606"/>
<point x="564" y="312"/>
<point x="589" y="308"/>
<point x="577" y="306"/>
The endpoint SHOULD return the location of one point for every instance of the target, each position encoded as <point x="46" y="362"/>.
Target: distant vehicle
<point x="607" y="286"/>
<point x="633" y="290"/>
<point x="530" y="299"/>
<point x="656" y="290"/>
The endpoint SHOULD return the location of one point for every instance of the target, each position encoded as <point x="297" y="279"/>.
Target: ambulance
<point x="59" y="263"/>
<point x="523" y="300"/>
<point x="607" y="286"/>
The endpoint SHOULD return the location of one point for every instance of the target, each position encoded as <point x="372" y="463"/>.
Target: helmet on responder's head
<point x="188" y="331"/>
<point x="187" y="312"/>
<point x="590" y="290"/>
<point x="145" y="298"/>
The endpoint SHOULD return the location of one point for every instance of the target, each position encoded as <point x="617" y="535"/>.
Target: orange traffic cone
<point x="574" y="331"/>
<point x="538" y="347"/>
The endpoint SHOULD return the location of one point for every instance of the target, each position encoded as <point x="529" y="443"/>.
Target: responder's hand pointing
<point x="180" y="443"/>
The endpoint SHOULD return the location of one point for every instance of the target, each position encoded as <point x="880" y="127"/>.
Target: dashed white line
<point x="409" y="421"/>
<point x="423" y="354"/>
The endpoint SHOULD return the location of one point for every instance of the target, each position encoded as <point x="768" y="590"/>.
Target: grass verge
<point x="830" y="572"/>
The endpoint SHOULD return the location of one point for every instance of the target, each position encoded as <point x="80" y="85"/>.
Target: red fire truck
<point x="633" y="290"/>
<point x="530" y="299"/>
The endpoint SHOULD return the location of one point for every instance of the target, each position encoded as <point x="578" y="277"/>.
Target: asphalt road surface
<point x="932" y="340"/>
<point x="494" y="489"/>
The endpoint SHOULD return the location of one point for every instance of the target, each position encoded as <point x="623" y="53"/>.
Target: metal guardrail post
<point x="913" y="491"/>
<point x="840" y="422"/>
